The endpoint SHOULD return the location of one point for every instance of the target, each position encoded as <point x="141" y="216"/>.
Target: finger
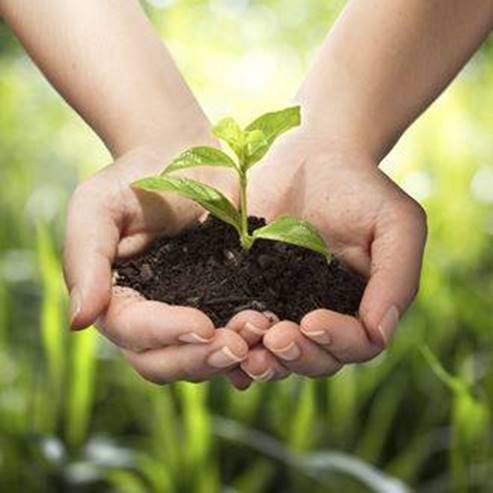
<point x="342" y="336"/>
<point x="191" y="362"/>
<point x="252" y="325"/>
<point x="91" y="241"/>
<point x="239" y="379"/>
<point x="262" y="366"/>
<point x="298" y="353"/>
<point x="137" y="324"/>
<point x="396" y="253"/>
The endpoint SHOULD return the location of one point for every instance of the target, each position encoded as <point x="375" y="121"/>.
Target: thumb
<point x="396" y="257"/>
<point x="90" y="246"/>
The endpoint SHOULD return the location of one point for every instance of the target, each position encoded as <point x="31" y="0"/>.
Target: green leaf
<point x="272" y="125"/>
<point x="208" y="197"/>
<point x="256" y="142"/>
<point x="228" y="130"/>
<point x="200" y="156"/>
<point x="295" y="231"/>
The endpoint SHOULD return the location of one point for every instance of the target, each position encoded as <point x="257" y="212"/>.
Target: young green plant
<point x="249" y="146"/>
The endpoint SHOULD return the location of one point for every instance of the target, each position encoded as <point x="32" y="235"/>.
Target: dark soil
<point x="205" y="267"/>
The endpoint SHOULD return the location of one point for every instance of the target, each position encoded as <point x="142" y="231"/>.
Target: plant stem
<point x="246" y="239"/>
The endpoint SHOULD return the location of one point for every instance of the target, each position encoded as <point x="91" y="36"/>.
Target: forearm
<point x="105" y="59"/>
<point x="383" y="64"/>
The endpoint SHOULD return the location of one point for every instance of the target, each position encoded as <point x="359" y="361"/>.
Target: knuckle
<point x="81" y="192"/>
<point x="420" y="216"/>
<point x="416" y="216"/>
<point x="97" y="193"/>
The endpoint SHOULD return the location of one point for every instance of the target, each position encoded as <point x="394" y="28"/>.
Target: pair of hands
<point x="368" y="221"/>
<point x="356" y="89"/>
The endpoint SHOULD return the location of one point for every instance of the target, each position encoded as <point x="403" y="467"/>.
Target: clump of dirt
<point x="205" y="267"/>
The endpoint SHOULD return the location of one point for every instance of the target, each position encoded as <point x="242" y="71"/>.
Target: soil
<point x="205" y="267"/>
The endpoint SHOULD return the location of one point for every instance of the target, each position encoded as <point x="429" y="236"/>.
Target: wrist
<point x="319" y="138"/>
<point x="168" y="143"/>
<point x="172" y="126"/>
<point x="336" y="124"/>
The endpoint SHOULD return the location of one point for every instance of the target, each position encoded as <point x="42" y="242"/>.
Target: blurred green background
<point x="73" y="415"/>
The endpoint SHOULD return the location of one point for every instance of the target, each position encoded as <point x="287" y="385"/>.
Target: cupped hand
<point x="107" y="219"/>
<point x="369" y="223"/>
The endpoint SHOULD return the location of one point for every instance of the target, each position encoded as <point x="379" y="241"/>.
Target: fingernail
<point x="319" y="336"/>
<point x="224" y="358"/>
<point x="388" y="323"/>
<point x="254" y="329"/>
<point x="289" y="353"/>
<point x="194" y="338"/>
<point x="74" y="305"/>
<point x="263" y="377"/>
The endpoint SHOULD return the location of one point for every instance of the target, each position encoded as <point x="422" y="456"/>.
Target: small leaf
<point x="228" y="130"/>
<point x="256" y="142"/>
<point x="208" y="197"/>
<point x="295" y="231"/>
<point x="200" y="156"/>
<point x="272" y="125"/>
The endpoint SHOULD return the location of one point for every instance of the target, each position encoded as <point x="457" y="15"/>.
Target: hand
<point x="369" y="222"/>
<point x="108" y="219"/>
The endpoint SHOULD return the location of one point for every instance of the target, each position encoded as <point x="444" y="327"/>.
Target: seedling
<point x="249" y="145"/>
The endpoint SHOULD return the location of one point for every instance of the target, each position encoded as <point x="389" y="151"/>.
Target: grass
<point x="372" y="428"/>
<point x="74" y="417"/>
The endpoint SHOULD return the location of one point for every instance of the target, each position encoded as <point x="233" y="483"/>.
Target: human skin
<point x="110" y="66"/>
<point x="382" y="64"/>
<point x="145" y="114"/>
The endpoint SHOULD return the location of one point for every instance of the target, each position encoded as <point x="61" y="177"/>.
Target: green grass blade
<point x="52" y="317"/>
<point x="320" y="466"/>
<point x="164" y="430"/>
<point x="81" y="388"/>
<point x="342" y="403"/>
<point x="4" y="313"/>
<point x="302" y="433"/>
<point x="124" y="481"/>
<point x="198" y="438"/>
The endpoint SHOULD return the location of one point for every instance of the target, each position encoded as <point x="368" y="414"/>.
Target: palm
<point x="108" y="219"/>
<point x="368" y="222"/>
<point x="139" y="216"/>
<point x="343" y="203"/>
